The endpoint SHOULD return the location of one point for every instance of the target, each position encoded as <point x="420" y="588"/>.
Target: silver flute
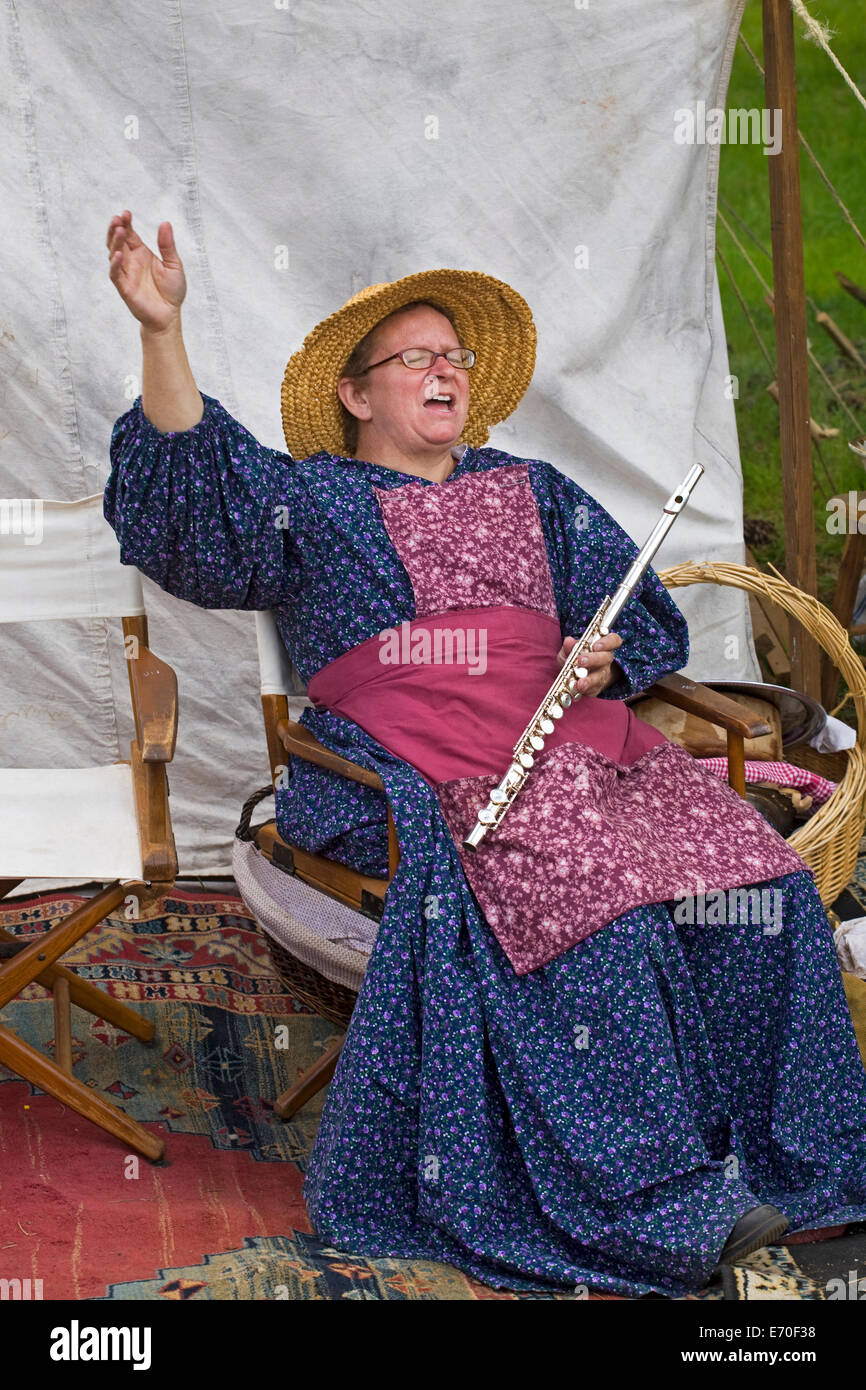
<point x="564" y="690"/>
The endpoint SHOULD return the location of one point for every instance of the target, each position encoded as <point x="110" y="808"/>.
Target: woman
<point x="551" y="1078"/>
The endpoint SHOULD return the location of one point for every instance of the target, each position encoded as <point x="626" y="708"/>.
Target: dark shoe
<point x="759" y="1227"/>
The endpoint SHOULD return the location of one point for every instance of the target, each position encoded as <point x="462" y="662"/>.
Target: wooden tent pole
<point x="789" y="292"/>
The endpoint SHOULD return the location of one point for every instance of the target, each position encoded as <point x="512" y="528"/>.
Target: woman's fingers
<point x="123" y="237"/>
<point x="132" y="239"/>
<point x="120" y="230"/>
<point x="118" y="260"/>
<point x="597" y="662"/>
<point x="113" y="225"/>
<point x="602" y="650"/>
<point x="121" y="242"/>
<point x="151" y="286"/>
<point x="167" y="248"/>
<point x="599" y="653"/>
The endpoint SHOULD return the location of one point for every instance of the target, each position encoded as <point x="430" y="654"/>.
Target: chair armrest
<point x="155" y="837"/>
<point x="708" y="704"/>
<point x="299" y="741"/>
<point x="153" y="685"/>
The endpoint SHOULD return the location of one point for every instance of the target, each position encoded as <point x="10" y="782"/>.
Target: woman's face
<point x="394" y="401"/>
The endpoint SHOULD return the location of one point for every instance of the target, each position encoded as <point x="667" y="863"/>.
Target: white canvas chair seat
<point x="65" y="823"/>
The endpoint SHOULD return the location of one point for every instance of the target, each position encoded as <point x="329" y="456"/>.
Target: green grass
<point x="834" y="123"/>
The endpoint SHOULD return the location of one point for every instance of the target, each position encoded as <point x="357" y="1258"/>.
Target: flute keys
<point x="565" y="699"/>
<point x="537" y="742"/>
<point x="546" y="726"/>
<point x="497" y="797"/>
<point x="526" y="760"/>
<point x="555" y="710"/>
<point x="487" y="816"/>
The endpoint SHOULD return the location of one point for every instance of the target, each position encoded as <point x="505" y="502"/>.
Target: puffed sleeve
<point x="207" y="513"/>
<point x="593" y="554"/>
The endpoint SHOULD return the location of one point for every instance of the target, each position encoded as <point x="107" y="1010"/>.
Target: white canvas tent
<point x="302" y="152"/>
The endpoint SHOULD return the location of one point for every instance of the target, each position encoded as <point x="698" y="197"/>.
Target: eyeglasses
<point x="420" y="358"/>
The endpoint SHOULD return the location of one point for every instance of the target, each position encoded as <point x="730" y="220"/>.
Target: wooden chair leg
<point x="96" y="1001"/>
<point x="26" y="1062"/>
<point x="737" y="763"/>
<point x="37" y="960"/>
<point x="312" y="1081"/>
<point x="62" y="1025"/>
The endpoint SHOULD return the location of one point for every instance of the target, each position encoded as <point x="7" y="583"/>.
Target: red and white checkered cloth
<point x="786" y="774"/>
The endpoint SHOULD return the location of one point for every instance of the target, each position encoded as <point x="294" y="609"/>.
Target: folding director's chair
<point x="107" y="824"/>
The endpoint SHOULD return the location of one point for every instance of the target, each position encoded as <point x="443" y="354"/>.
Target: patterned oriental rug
<point x="224" y="1218"/>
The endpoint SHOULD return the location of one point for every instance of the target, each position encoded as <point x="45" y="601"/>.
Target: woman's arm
<point x="169" y="396"/>
<point x="153" y="289"/>
<point x="197" y="503"/>
<point x="207" y="513"/>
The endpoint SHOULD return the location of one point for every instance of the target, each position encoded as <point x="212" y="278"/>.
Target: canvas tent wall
<point x="302" y="151"/>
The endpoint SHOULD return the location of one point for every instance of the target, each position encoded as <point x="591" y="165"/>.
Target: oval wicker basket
<point x="830" y="840"/>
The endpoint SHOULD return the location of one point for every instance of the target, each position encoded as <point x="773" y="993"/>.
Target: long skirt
<point x="599" y="1123"/>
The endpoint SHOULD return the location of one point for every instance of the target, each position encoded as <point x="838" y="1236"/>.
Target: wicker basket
<point x="332" y="1001"/>
<point x="830" y="840"/>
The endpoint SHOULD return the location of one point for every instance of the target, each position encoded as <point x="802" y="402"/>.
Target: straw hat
<point x="489" y="316"/>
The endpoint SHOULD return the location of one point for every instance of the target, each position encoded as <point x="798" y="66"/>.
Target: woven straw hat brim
<point x="489" y="317"/>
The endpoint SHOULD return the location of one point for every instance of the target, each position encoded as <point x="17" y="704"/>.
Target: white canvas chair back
<point x="62" y="560"/>
<point x="276" y="671"/>
<point x="78" y="825"/>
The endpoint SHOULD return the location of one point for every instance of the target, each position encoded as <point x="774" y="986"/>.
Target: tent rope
<point x="821" y="35"/>
<point x="768" y="290"/>
<point x="746" y="310"/>
<point x="845" y="212"/>
<point x="814" y="158"/>
<point x="729" y="208"/>
<point x="817" y="365"/>
<point x="762" y="345"/>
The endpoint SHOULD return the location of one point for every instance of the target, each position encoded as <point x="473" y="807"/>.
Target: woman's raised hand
<point x="153" y="289"/>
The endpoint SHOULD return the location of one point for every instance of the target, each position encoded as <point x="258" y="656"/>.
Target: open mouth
<point x="440" y="405"/>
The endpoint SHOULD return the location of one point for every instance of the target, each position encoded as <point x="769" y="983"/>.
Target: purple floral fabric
<point x="587" y="839"/>
<point x="717" y="1065"/>
<point x="471" y="543"/>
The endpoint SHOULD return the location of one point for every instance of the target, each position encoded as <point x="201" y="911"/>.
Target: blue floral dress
<point x="468" y="1120"/>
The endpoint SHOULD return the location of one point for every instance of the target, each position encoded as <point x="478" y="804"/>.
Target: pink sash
<point x="452" y="693"/>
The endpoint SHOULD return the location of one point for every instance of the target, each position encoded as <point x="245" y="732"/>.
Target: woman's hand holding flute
<point x="601" y="668"/>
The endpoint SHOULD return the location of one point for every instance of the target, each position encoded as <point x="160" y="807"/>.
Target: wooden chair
<point x="286" y="738"/>
<point x="107" y="824"/>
